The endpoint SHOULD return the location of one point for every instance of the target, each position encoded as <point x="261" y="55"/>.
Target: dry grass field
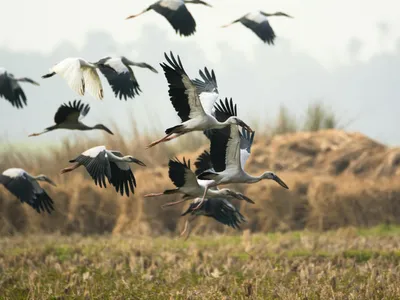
<point x="342" y="264"/>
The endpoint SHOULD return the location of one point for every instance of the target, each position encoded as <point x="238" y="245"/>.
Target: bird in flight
<point x="177" y="14"/>
<point x="11" y="90"/>
<point x="259" y="24"/>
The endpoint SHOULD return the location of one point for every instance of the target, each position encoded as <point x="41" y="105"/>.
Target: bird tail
<point x="175" y="129"/>
<point x="207" y="175"/>
<point x="49" y="75"/>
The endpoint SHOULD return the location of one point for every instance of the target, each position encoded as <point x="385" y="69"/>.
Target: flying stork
<point x="120" y="75"/>
<point x="68" y="116"/>
<point x="26" y="188"/>
<point x="218" y="208"/>
<point x="101" y="163"/>
<point x="228" y="157"/>
<point x="80" y="75"/>
<point x="177" y="14"/>
<point x="185" y="99"/>
<point x="11" y="90"/>
<point x="186" y="183"/>
<point x="258" y="23"/>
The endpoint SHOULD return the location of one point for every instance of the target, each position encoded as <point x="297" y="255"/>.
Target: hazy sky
<point x="346" y="53"/>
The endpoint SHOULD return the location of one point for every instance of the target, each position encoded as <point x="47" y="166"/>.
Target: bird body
<point x="177" y="14"/>
<point x="11" y="90"/>
<point x="120" y="76"/>
<point x="80" y="75"/>
<point x="69" y="116"/>
<point x="26" y="188"/>
<point x="102" y="163"/>
<point x="186" y="101"/>
<point x="258" y="23"/>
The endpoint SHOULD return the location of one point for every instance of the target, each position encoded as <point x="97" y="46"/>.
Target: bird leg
<point x="173" y="137"/>
<point x="134" y="16"/>
<point x="70" y="168"/>
<point x="153" y="195"/>
<point x="36" y="134"/>
<point x="173" y="203"/>
<point x="202" y="199"/>
<point x="158" y="141"/>
<point x="187" y="227"/>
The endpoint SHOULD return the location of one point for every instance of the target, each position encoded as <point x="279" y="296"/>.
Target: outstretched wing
<point x="11" y="90"/>
<point x="71" y="112"/>
<point x="122" y="177"/>
<point x="263" y="30"/>
<point x="246" y="141"/>
<point x="93" y="82"/>
<point x="181" y="174"/>
<point x="182" y="91"/>
<point x="207" y="89"/>
<point x="203" y="163"/>
<point x="223" y="111"/>
<point x="179" y="17"/>
<point x="120" y="77"/>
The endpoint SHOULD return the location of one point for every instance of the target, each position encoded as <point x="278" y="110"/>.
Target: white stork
<point x="186" y="183"/>
<point x="27" y="189"/>
<point x="120" y="75"/>
<point x="69" y="116"/>
<point x="80" y="75"/>
<point x="258" y="23"/>
<point x="101" y="163"/>
<point x="229" y="153"/>
<point x="11" y="90"/>
<point x="177" y="14"/>
<point x="185" y="99"/>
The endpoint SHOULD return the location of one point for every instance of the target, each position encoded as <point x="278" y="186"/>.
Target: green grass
<point x="293" y="265"/>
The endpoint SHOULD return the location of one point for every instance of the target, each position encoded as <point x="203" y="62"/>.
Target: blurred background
<point x="323" y="100"/>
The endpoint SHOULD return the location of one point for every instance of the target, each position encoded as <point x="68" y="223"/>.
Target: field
<point x="342" y="264"/>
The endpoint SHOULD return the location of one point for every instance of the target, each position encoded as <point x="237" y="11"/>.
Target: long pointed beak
<point x="280" y="181"/>
<point x="35" y="83"/>
<point x="140" y="163"/>
<point x="245" y="126"/>
<point x="108" y="130"/>
<point x="51" y="182"/>
<point x="247" y="199"/>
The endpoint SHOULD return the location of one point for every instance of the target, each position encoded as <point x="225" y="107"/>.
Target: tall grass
<point x="317" y="199"/>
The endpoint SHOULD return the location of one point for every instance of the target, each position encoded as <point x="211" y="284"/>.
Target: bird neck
<point x="254" y="179"/>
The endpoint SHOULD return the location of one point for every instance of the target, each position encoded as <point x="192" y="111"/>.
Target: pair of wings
<point x="28" y="191"/>
<point x="99" y="167"/>
<point x="220" y="209"/>
<point x="121" y="77"/>
<point x="80" y="78"/>
<point x="11" y="90"/>
<point x="190" y="99"/>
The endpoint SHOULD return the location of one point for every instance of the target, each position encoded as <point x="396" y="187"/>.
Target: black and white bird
<point x="101" y="163"/>
<point x="69" y="116"/>
<point x="177" y="14"/>
<point x="259" y="24"/>
<point x="187" y="184"/>
<point x="11" y="90"/>
<point x="80" y="76"/>
<point x="229" y="155"/>
<point x="120" y="76"/>
<point x="218" y="208"/>
<point x="186" y="101"/>
<point x="27" y="189"/>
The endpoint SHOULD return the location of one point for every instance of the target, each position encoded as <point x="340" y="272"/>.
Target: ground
<point x="344" y="264"/>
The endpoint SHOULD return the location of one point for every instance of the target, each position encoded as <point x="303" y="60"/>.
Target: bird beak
<point x="51" y="181"/>
<point x="136" y="161"/>
<point x="245" y="126"/>
<point x="280" y="181"/>
<point x="247" y="199"/>
<point x="35" y="83"/>
<point x="108" y="130"/>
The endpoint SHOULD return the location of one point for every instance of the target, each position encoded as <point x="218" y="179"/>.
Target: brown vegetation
<point x="336" y="179"/>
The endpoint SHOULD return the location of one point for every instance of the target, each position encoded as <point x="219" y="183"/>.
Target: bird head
<point x="237" y="121"/>
<point x="273" y="176"/>
<point x="102" y="127"/>
<point x="131" y="159"/>
<point x="46" y="179"/>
